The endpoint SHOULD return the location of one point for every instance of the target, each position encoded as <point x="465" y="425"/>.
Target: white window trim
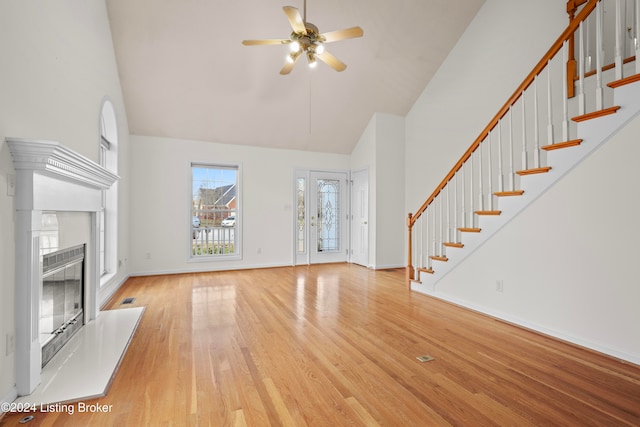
<point x="215" y="257"/>
<point x="108" y="146"/>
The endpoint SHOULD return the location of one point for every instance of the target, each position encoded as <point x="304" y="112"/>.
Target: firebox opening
<point x="61" y="314"/>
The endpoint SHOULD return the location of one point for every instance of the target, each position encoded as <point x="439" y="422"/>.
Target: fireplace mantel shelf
<point x="53" y="158"/>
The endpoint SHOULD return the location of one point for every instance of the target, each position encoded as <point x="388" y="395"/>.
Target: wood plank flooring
<point x="336" y="345"/>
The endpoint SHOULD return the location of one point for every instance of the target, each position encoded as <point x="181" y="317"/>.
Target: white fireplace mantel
<point x="47" y="170"/>
<point x="49" y="177"/>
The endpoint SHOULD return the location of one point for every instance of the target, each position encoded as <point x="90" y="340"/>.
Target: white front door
<point x="360" y="217"/>
<point x="327" y="217"/>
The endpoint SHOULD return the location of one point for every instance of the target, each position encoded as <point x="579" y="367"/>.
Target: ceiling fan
<point x="306" y="40"/>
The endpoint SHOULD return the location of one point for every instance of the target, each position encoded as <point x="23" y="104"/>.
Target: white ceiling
<point x="185" y="73"/>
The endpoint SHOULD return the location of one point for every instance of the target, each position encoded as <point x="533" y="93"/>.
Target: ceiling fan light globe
<point x="319" y="49"/>
<point x="294" y="46"/>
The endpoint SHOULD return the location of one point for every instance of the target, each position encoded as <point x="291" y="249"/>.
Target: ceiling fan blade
<point x="331" y="61"/>
<point x="347" y="33"/>
<point x="295" y="20"/>
<point x="265" y="42"/>
<point x="288" y="66"/>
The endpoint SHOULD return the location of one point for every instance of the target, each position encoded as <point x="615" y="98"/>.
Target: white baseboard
<point x="106" y="292"/>
<point x="635" y="359"/>
<point x="387" y="266"/>
<point x="204" y="269"/>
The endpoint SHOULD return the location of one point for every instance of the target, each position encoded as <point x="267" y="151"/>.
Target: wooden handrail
<point x="555" y="48"/>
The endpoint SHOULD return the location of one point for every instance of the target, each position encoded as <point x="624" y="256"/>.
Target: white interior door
<point x="360" y="217"/>
<point x="327" y="217"/>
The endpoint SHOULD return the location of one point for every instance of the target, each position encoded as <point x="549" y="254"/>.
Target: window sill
<point x="215" y="258"/>
<point x="106" y="278"/>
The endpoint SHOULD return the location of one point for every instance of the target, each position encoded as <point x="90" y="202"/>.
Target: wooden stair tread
<point x="559" y="145"/>
<point x="439" y="258"/>
<point x="596" y="114"/>
<point x="534" y="171"/>
<point x="426" y="270"/>
<point x="508" y="193"/>
<point x="488" y="212"/>
<point x="453" y="245"/>
<point x="625" y="81"/>
<point x="469" y="230"/>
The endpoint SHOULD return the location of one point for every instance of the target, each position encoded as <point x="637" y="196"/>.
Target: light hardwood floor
<point x="336" y="345"/>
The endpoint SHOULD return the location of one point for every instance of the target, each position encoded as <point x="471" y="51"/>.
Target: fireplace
<point x="52" y="178"/>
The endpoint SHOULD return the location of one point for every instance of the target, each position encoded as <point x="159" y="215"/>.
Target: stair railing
<point x="538" y="117"/>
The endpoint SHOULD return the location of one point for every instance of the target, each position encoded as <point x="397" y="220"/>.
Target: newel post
<point x="409" y="271"/>
<point x="572" y="73"/>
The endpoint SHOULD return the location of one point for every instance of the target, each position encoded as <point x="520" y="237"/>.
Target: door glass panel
<point x="301" y="244"/>
<point x="328" y="215"/>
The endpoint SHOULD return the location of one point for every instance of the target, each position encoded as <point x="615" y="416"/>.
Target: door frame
<point x="304" y="258"/>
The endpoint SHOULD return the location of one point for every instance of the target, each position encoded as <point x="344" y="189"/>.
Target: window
<point x="215" y="211"/>
<point x="107" y="217"/>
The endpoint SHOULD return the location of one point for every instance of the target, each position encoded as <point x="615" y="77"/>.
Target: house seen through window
<point x="215" y="211"/>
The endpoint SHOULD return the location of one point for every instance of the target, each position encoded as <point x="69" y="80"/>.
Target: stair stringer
<point x="593" y="132"/>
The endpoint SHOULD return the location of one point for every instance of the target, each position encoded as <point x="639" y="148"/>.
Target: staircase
<point x="564" y="110"/>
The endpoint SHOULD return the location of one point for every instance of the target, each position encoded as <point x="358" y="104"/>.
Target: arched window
<point x="107" y="217"/>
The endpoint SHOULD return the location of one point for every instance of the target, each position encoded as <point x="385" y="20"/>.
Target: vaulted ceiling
<point x="185" y="73"/>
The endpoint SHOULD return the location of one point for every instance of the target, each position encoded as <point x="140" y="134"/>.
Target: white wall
<point x="496" y="52"/>
<point x="389" y="206"/>
<point x="381" y="151"/>
<point x="567" y="261"/>
<point x="161" y="216"/>
<point x="57" y="65"/>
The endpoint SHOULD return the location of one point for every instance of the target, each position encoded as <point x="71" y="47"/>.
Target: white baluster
<point x="448" y="188"/>
<point x="549" y="106"/>
<point x="536" y="136"/>
<point x="481" y="179"/>
<point x="588" y="56"/>
<point x="490" y="171"/>
<point x="462" y="196"/>
<point x="427" y="239"/>
<point x="618" y="29"/>
<point x="424" y="235"/>
<point x="511" y="167"/>
<point x="599" y="56"/>
<point x="455" y="209"/>
<point x="441" y="224"/>
<point x="581" y="65"/>
<point x="471" y="209"/>
<point x="500" y="171"/>
<point x="565" y="91"/>
<point x="420" y="243"/>
<point x="636" y="40"/>
<point x="433" y="233"/>
<point x="524" y="132"/>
